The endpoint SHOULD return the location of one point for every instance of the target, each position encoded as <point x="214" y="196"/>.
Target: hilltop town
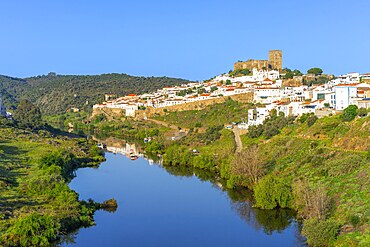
<point x="270" y="86"/>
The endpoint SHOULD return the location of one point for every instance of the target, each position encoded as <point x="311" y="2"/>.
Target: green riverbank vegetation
<point x="318" y="167"/>
<point x="36" y="164"/>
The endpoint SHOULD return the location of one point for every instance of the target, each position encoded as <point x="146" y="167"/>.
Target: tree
<point x="311" y="120"/>
<point x="248" y="163"/>
<point x="271" y="192"/>
<point x="315" y="71"/>
<point x="320" y="232"/>
<point x="362" y="112"/>
<point x="350" y="113"/>
<point x="28" y="115"/>
<point x="32" y="230"/>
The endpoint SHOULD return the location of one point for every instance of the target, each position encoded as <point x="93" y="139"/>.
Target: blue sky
<point x="188" y="39"/>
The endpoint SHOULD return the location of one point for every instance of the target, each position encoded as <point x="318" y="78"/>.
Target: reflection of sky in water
<point x="156" y="208"/>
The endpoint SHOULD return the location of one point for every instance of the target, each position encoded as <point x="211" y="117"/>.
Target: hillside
<point x="54" y="94"/>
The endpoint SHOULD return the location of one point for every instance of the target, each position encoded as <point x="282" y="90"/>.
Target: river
<point x="159" y="207"/>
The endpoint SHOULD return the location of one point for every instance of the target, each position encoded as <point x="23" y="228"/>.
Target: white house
<point x="345" y="95"/>
<point x="266" y="95"/>
<point x="257" y="116"/>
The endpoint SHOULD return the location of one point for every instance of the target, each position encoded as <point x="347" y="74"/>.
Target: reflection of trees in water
<point x="182" y="171"/>
<point x="268" y="220"/>
<point x="67" y="239"/>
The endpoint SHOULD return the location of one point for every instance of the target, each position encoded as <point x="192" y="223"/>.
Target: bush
<point x="177" y="155"/>
<point x="271" y="192"/>
<point x="311" y="120"/>
<point x="270" y="130"/>
<point x="28" y="115"/>
<point x="320" y="233"/>
<point x="32" y="230"/>
<point x="204" y="162"/>
<point x="198" y="125"/>
<point x="350" y="113"/>
<point x="255" y="131"/>
<point x="154" y="147"/>
<point x="362" y="112"/>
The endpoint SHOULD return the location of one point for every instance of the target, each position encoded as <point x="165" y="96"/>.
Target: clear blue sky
<point x="192" y="39"/>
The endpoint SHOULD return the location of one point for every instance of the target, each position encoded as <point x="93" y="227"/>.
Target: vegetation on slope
<point x="319" y="167"/>
<point x="37" y="206"/>
<point x="322" y="171"/>
<point x="213" y="115"/>
<point x="55" y="94"/>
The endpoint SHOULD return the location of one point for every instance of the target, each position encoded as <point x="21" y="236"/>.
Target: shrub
<point x="32" y="230"/>
<point x="270" y="130"/>
<point x="350" y="113"/>
<point x="198" y="125"/>
<point x="204" y="161"/>
<point x="362" y="112"/>
<point x="271" y="192"/>
<point x="320" y="232"/>
<point x="311" y="120"/>
<point x="255" y="131"/>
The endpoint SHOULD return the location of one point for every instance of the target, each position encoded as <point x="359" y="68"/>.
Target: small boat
<point x="133" y="157"/>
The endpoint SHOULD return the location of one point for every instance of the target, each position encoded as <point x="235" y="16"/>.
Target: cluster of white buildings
<point x="267" y="89"/>
<point x="220" y="86"/>
<point x="336" y="95"/>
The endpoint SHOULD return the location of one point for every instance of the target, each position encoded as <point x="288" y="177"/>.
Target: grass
<point x="214" y="115"/>
<point x="333" y="154"/>
<point x="20" y="154"/>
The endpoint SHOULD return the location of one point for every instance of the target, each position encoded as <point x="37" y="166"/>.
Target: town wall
<point x="112" y="113"/>
<point x="275" y="62"/>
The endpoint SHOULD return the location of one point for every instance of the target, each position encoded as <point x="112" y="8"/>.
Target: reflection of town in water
<point x="131" y="150"/>
<point x="241" y="200"/>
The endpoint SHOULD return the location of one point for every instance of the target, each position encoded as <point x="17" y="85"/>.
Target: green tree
<point x="271" y="192"/>
<point x="315" y="71"/>
<point x="350" y="113"/>
<point x="311" y="120"/>
<point x="32" y="230"/>
<point x="362" y="112"/>
<point x="320" y="232"/>
<point x="28" y="115"/>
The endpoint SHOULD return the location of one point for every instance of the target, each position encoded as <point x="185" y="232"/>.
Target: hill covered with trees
<point x="55" y="94"/>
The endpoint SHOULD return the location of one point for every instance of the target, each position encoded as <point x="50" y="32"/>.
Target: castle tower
<point x="276" y="59"/>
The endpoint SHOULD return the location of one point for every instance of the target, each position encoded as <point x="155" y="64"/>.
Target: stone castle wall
<point x="275" y="62"/>
<point x="150" y="111"/>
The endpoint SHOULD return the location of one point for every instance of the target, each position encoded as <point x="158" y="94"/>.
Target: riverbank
<point x="175" y="206"/>
<point x="318" y="167"/>
<point x="37" y="206"/>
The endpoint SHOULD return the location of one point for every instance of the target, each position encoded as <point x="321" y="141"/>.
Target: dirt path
<point x="238" y="141"/>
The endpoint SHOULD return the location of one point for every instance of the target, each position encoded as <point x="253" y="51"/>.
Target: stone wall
<point x="251" y="63"/>
<point x="275" y="62"/>
<point x="112" y="113"/>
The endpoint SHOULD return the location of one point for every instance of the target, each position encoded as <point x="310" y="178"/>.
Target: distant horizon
<point x="193" y="40"/>
<point x="174" y="77"/>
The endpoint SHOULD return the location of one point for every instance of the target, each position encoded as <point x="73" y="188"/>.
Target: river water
<point x="159" y="207"/>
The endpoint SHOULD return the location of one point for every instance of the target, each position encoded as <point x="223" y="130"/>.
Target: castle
<point x="275" y="62"/>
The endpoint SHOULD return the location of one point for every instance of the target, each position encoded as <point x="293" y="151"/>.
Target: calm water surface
<point x="157" y="208"/>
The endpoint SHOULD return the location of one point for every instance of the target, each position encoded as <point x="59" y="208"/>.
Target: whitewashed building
<point x="345" y="95"/>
